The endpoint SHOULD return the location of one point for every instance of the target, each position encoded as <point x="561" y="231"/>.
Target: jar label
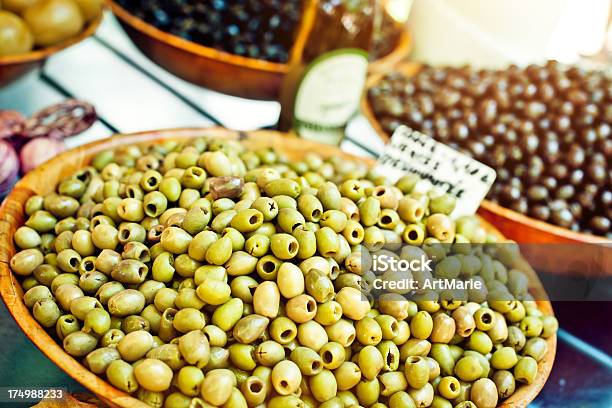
<point x="439" y="166"/>
<point x="329" y="94"/>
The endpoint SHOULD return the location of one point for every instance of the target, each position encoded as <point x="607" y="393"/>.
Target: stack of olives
<point x="546" y="129"/>
<point x="262" y="29"/>
<point x="203" y="274"/>
<point x="26" y="24"/>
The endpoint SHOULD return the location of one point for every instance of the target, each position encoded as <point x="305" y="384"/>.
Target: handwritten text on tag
<point x="440" y="166"/>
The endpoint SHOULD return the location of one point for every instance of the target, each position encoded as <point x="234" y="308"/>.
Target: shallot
<point x="9" y="166"/>
<point x="11" y="123"/>
<point x="38" y="151"/>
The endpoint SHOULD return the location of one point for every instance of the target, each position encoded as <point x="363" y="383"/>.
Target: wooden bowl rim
<point x="44" y="53"/>
<point x="10" y="290"/>
<point x="191" y="46"/>
<point x="401" y="47"/>
<point x="521" y="219"/>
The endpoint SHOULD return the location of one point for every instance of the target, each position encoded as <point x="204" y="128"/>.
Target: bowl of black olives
<point x="238" y="48"/>
<point x="546" y="129"/>
<point x="33" y="30"/>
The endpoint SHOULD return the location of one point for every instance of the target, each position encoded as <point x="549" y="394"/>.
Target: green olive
<point x="90" y="9"/>
<point x="53" y="21"/>
<point x="17" y="6"/>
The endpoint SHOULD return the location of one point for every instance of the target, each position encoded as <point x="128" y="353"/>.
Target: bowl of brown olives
<point x="209" y="267"/>
<point x="209" y="42"/>
<point x="546" y="129"/>
<point x="33" y="30"/>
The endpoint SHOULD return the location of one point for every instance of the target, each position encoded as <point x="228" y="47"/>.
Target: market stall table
<point x="131" y="93"/>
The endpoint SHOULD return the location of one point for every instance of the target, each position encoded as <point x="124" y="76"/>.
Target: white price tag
<point x="439" y="166"/>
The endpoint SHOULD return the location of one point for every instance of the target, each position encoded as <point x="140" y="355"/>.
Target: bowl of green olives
<point x="33" y="30"/>
<point x="216" y="268"/>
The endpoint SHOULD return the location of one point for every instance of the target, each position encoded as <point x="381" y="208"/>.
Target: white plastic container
<point x="493" y="33"/>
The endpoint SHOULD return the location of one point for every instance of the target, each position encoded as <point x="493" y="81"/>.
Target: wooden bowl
<point x="44" y="179"/>
<point x="517" y="226"/>
<point x="219" y="70"/>
<point x="15" y="66"/>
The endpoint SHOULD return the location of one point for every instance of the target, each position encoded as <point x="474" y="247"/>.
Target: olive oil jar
<point x="327" y="68"/>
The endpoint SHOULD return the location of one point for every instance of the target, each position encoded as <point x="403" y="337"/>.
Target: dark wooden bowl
<point x="44" y="179"/>
<point x="219" y="70"/>
<point x="517" y="226"/>
<point x="15" y="66"/>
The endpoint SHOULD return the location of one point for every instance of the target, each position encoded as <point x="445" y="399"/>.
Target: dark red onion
<point x="11" y="123"/>
<point x="61" y="120"/>
<point x="38" y="151"/>
<point x="9" y="166"/>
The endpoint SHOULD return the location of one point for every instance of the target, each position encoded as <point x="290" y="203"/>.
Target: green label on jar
<point x="329" y="94"/>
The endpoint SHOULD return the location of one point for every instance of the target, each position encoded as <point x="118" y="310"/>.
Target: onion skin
<point x="38" y="151"/>
<point x="9" y="166"/>
<point x="11" y="123"/>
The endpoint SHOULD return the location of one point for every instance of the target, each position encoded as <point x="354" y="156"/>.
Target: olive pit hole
<point x="255" y="387"/>
<point x="486" y="318"/>
<point x="385" y="219"/>
<point x="142" y="271"/>
<point x="316" y="213"/>
<point x="293" y="247"/>
<point x="467" y="332"/>
<point x="152" y="208"/>
<point x="327" y="356"/>
<point x="286" y="334"/>
<point x="284" y="384"/>
<point x="152" y="182"/>
<point x="88" y="265"/>
<point x="125" y="234"/>
<point x="254" y="219"/>
<point x="413" y="235"/>
<point x="310" y="306"/>
<point x="74" y="262"/>
<point x="268" y="267"/>
<point x="84" y="177"/>
<point x="414" y="359"/>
